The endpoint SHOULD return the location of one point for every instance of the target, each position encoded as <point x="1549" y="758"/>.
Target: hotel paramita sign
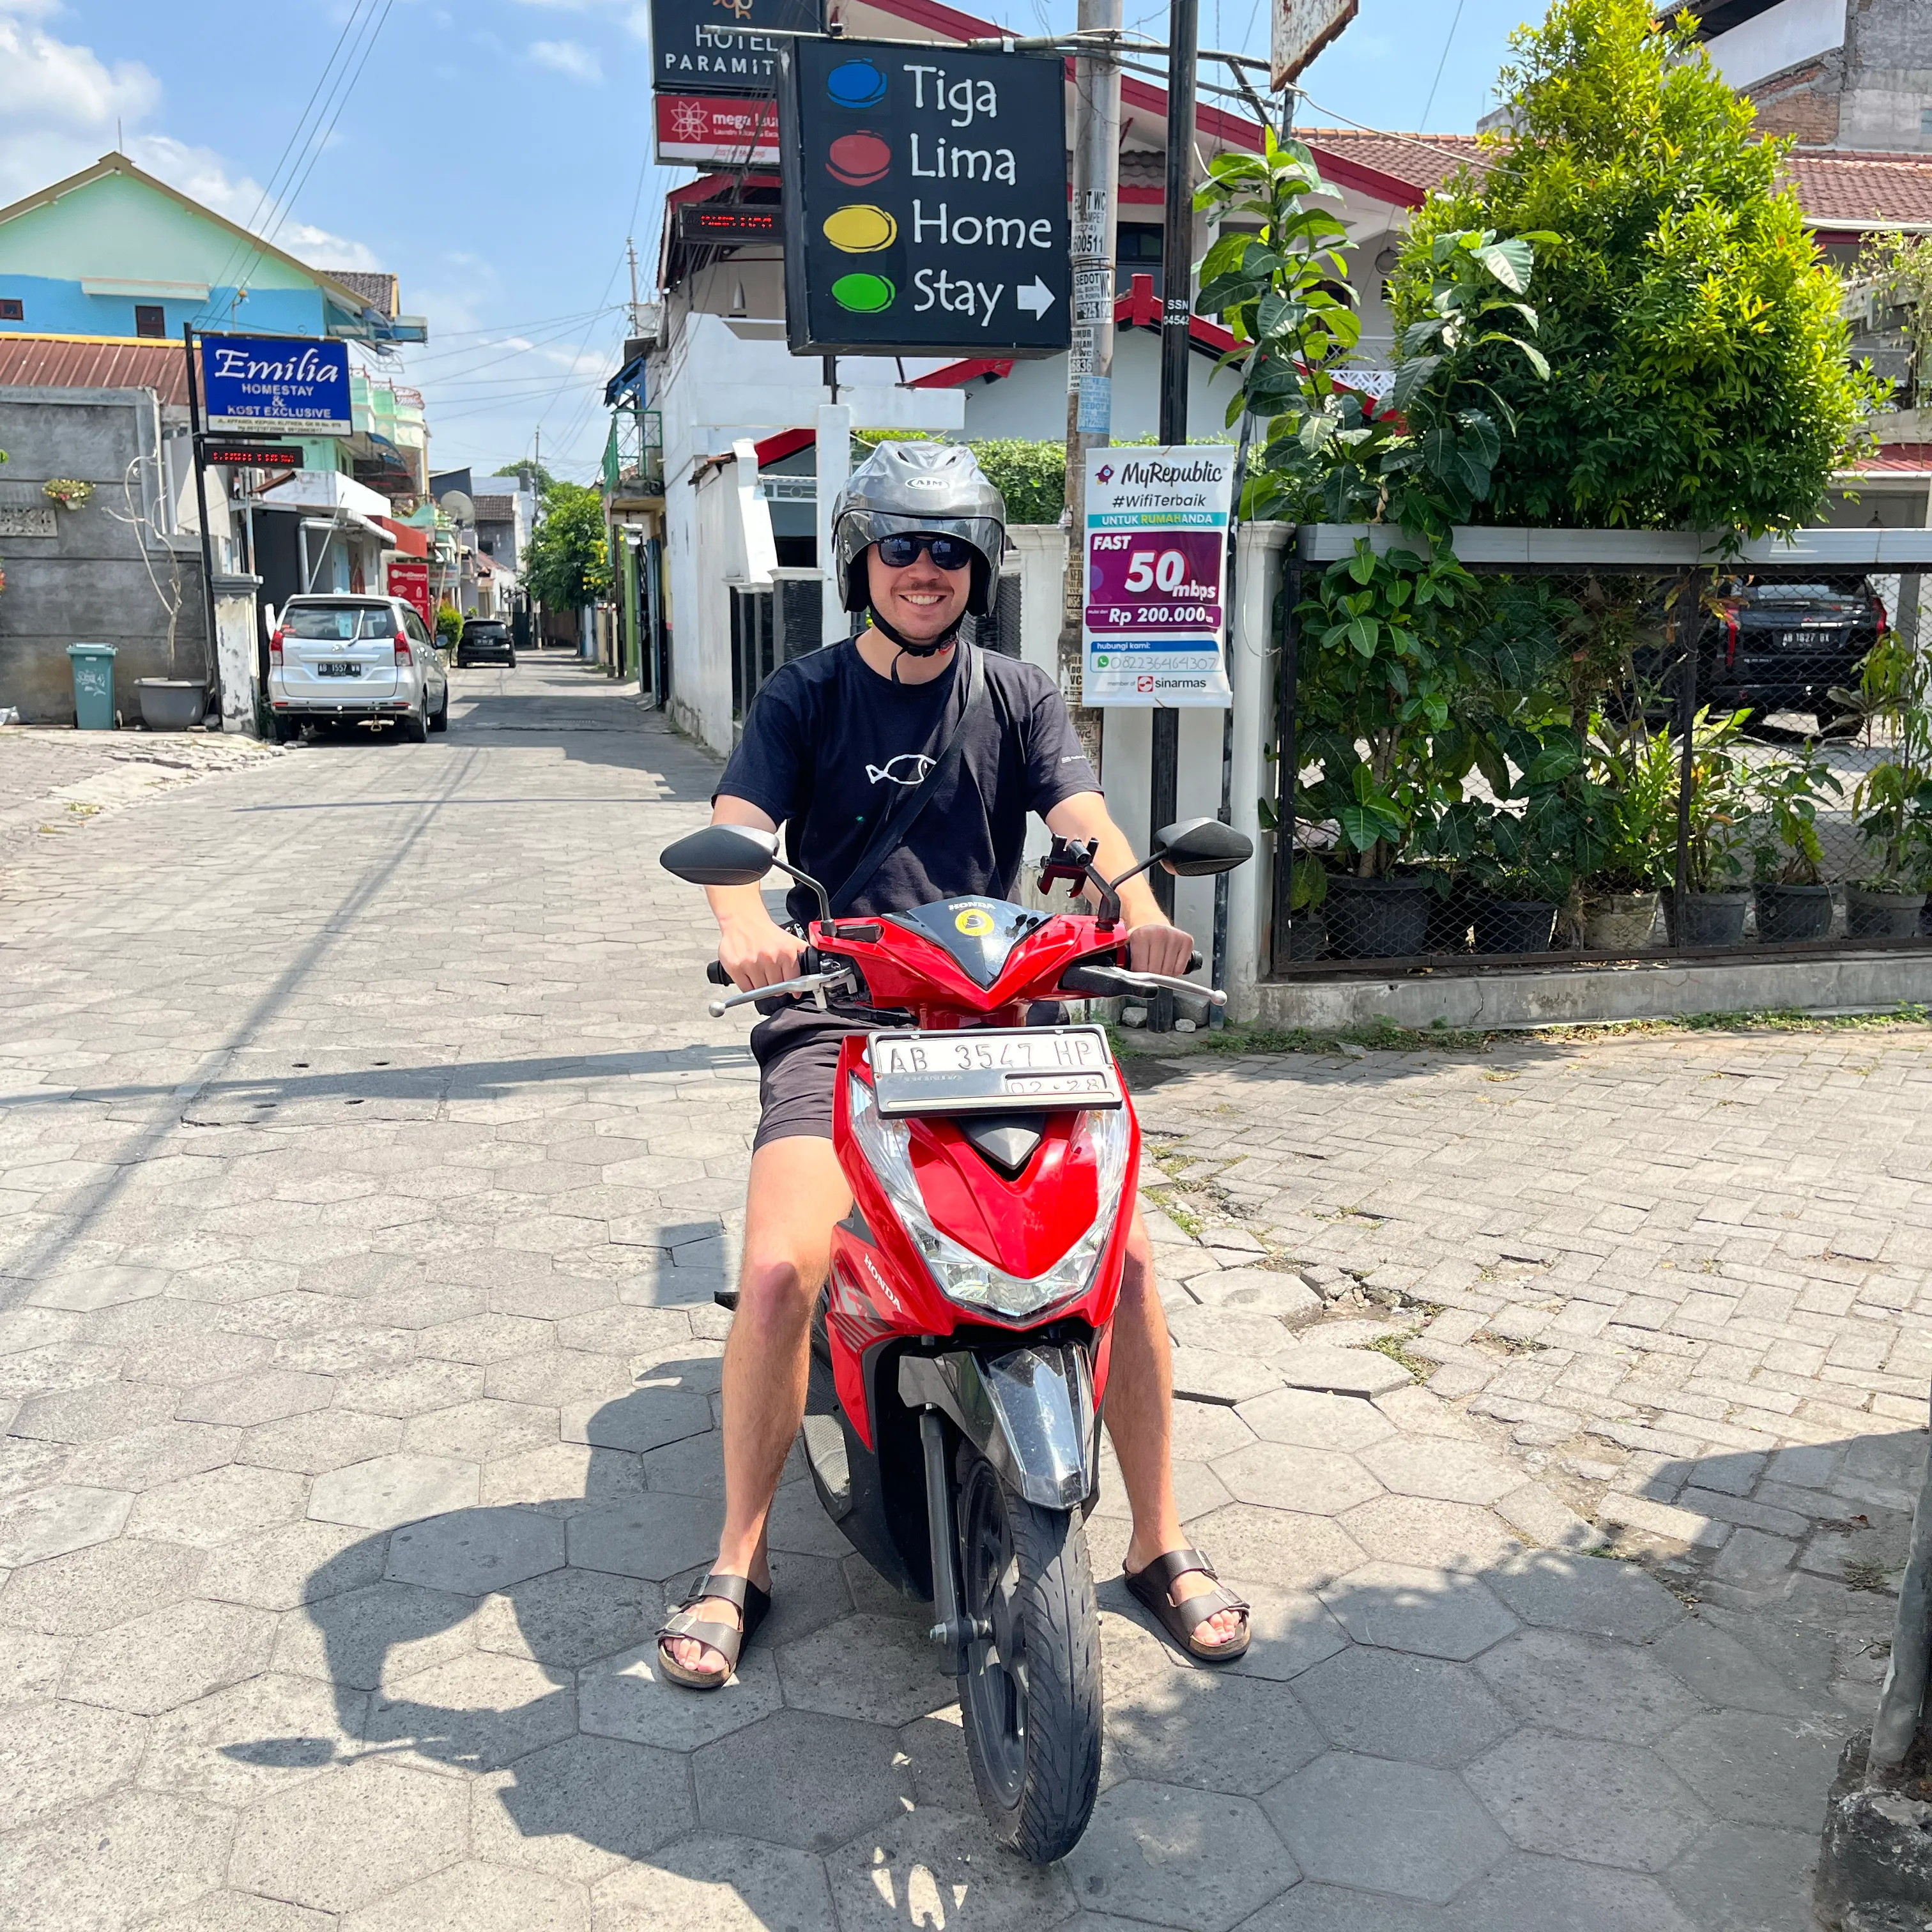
<point x="925" y="200"/>
<point x="715" y="46"/>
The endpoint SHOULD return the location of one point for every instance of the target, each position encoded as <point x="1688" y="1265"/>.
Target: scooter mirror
<point x="1193" y="848"/>
<point x="721" y="855"/>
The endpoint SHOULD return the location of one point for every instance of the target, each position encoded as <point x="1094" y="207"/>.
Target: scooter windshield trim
<point x="959" y="1274"/>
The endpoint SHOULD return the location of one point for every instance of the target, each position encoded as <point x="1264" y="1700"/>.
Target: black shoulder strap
<point x="893" y="825"/>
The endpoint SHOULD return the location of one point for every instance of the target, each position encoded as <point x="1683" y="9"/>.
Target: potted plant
<point x="1793" y="900"/>
<point x="69" y="492"/>
<point x="1893" y="802"/>
<point x="1616" y="905"/>
<point x="1711" y="912"/>
<point x="1307" y="889"/>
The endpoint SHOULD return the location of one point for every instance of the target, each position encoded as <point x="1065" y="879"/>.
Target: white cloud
<point x="568" y="58"/>
<point x="62" y="101"/>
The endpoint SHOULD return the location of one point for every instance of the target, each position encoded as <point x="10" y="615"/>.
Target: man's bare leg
<point x="1140" y="1403"/>
<point x="796" y="1193"/>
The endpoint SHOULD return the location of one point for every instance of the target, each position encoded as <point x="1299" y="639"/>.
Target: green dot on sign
<point x="864" y="295"/>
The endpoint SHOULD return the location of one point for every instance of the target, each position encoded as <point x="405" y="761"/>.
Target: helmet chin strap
<point x="932" y="647"/>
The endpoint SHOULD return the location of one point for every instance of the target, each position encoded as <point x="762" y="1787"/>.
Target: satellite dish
<point x="457" y="506"/>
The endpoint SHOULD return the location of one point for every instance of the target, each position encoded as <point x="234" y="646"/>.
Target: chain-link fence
<point x="1622" y="761"/>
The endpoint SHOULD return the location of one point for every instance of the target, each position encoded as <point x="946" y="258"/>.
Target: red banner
<point x="715" y="128"/>
<point x="408" y="579"/>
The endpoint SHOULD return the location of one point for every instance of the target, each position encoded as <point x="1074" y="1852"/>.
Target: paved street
<point x="366" y="1164"/>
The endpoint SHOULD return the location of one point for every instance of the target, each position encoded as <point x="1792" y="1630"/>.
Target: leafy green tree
<point x="540" y="477"/>
<point x="1701" y="376"/>
<point x="568" y="564"/>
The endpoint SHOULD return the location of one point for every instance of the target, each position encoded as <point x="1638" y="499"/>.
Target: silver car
<point x="349" y="659"/>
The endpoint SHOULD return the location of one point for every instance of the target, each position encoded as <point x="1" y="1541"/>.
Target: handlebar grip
<point x="716" y="973"/>
<point x="811" y="960"/>
<point x="1195" y="962"/>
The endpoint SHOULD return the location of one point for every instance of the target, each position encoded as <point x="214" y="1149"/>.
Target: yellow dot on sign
<point x="860" y="229"/>
<point x="975" y="922"/>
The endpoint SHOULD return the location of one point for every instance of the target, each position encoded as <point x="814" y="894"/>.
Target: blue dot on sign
<point x="856" y="83"/>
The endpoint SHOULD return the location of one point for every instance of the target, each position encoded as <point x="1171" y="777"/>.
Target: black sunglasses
<point x="949" y="552"/>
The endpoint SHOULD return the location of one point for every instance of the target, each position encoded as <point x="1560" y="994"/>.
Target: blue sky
<point x="496" y="156"/>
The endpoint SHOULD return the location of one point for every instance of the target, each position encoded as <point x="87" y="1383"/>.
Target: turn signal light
<point x="275" y="646"/>
<point x="402" y="648"/>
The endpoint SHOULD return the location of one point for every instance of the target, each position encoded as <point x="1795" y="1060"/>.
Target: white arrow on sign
<point x="1035" y="299"/>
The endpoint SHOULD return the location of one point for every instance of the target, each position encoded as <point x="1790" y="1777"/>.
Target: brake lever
<point x="1155" y="982"/>
<point x="816" y="984"/>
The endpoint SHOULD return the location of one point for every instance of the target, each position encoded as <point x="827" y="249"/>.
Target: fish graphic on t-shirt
<point x="907" y="769"/>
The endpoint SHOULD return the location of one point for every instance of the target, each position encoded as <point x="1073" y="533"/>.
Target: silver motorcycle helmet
<point x="902" y="487"/>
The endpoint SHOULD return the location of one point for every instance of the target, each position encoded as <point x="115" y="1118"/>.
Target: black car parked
<point x="1767" y="647"/>
<point x="486" y="641"/>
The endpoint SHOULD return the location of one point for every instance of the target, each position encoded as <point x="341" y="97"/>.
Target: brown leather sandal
<point x="1153" y="1585"/>
<point x="729" y="1640"/>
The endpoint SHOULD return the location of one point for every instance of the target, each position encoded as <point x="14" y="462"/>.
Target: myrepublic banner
<point x="1157" y="564"/>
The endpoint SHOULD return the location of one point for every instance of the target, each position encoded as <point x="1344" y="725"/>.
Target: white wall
<point x="1032" y="401"/>
<point x="1779" y="37"/>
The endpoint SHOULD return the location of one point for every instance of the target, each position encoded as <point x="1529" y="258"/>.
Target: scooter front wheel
<point x="1031" y="1695"/>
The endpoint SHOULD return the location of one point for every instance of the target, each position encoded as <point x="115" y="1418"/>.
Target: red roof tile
<point x="95" y="362"/>
<point x="1840" y="189"/>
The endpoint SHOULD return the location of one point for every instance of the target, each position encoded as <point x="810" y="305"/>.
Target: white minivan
<point x="348" y="659"/>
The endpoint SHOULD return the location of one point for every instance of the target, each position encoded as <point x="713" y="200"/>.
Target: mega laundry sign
<point x="724" y="47"/>
<point x="297" y="385"/>
<point x="925" y="199"/>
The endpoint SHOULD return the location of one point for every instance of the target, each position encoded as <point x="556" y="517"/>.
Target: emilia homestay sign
<point x="294" y="384"/>
<point x="925" y="200"/>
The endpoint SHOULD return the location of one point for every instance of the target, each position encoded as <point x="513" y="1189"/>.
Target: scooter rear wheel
<point x="1030" y="1696"/>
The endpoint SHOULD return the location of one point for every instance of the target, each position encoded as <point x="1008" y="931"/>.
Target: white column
<point x="1252" y="654"/>
<point x="834" y="466"/>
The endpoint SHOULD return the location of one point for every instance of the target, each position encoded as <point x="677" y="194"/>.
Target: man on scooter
<point x="834" y="740"/>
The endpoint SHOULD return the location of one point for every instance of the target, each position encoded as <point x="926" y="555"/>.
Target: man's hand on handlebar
<point x="1158" y="947"/>
<point x="757" y="951"/>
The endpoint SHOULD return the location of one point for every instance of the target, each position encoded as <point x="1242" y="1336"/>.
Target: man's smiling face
<point x="919" y="602"/>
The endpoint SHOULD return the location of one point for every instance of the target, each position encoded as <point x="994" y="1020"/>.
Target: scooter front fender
<point x="1030" y="1412"/>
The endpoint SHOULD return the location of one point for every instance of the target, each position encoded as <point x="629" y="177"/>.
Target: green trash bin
<point x="93" y="685"/>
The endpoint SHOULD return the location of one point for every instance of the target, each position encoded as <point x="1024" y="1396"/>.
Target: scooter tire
<point x="1037" y="1780"/>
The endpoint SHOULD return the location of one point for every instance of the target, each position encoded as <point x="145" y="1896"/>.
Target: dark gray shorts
<point x="797" y="1053"/>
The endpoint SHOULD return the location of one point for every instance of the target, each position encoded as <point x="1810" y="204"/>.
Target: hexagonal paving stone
<point x="1740" y="1878"/>
<point x="1752" y="1768"/>
<point x="1437" y="1535"/>
<point x="1195" y="1859"/>
<point x="768" y="1779"/>
<point x="103" y="1584"/>
<point x="483" y="1338"/>
<point x="1434" y="1613"/>
<point x="1203" y="1729"/>
<point x="1404" y="1828"/>
<point x="376" y="1635"/>
<point x="623" y="1697"/>
<point x="582" y="1808"/>
<point x="1311" y="1907"/>
<point x="389" y="1490"/>
<point x="53" y="1756"/>
<point x="571" y="1617"/>
<point x="149" y="1457"/>
<point x="418" y="1389"/>
<point x="1451" y="1472"/>
<point x="1284" y="1548"/>
<point x="206" y="1511"/>
<point x="93" y="1413"/>
<point x="1392" y="1704"/>
<point x="297" y="1564"/>
<point x="717" y="1885"/>
<point x="565" y="1479"/>
<point x="1596" y="1596"/>
<point x="653" y="1536"/>
<point x="320" y="1440"/>
<point x="171" y="1655"/>
<point x="50" y="1522"/>
<point x="624" y="1331"/>
<point x="1529" y="1894"/>
<point x="247" y="1400"/>
<point x="1212" y="1375"/>
<point x="1607" y="1803"/>
<point x="239" y="1745"/>
<point x="1721" y="1670"/>
<point x="351" y="1837"/>
<point x="1314" y="1420"/>
<point x="1587" y="1687"/>
<point x="931" y="1869"/>
<point x="1281" y="1475"/>
<point x="880" y="1669"/>
<point x="474" y="1551"/>
<point x="1288" y="1632"/>
<point x="242" y="1911"/>
<point x="473" y="1896"/>
<point x="132" y="1855"/>
<point x="31" y="1663"/>
<point x="481" y="1711"/>
<point x="646" y="1418"/>
<point x="482" y="1430"/>
<point x="87" y="1289"/>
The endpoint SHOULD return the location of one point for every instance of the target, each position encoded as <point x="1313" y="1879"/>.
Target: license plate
<point x="990" y="1069"/>
<point x="338" y="671"/>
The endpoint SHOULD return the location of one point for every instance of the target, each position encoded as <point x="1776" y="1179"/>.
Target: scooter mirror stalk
<point x="733" y="855"/>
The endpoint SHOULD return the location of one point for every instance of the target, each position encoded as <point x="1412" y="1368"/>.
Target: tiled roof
<point x="1837" y="188"/>
<point x="1910" y="459"/>
<point x="495" y="509"/>
<point x="1424" y="162"/>
<point x="95" y="362"/>
<point x="378" y="291"/>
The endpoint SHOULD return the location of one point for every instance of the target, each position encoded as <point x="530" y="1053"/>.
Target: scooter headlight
<point x="962" y="1275"/>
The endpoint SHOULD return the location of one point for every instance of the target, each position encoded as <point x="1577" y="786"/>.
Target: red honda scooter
<point x="959" y="1351"/>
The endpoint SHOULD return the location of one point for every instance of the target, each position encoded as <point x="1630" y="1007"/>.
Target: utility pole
<point x="1177" y="308"/>
<point x="1090" y="360"/>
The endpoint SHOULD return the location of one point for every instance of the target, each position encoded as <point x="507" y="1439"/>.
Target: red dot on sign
<point x="858" y="159"/>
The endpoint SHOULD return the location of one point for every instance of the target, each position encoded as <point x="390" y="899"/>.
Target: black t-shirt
<point x="830" y="743"/>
